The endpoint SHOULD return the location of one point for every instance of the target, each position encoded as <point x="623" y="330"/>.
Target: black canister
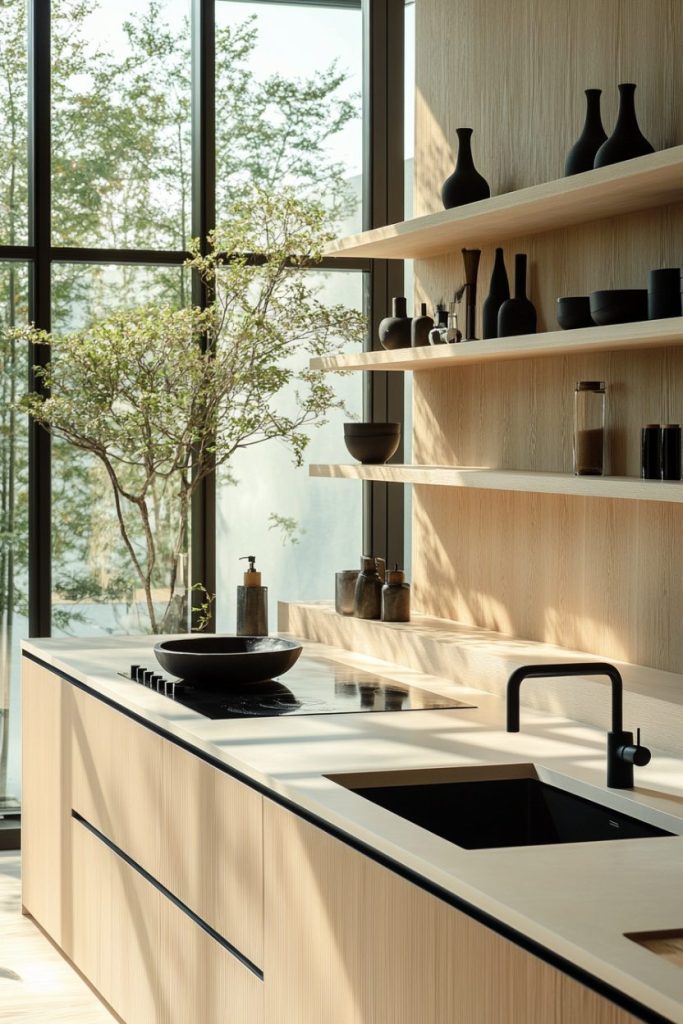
<point x="367" y="598"/>
<point x="650" y="452"/>
<point x="664" y="293"/>
<point x="396" y="597"/>
<point x="671" y="451"/>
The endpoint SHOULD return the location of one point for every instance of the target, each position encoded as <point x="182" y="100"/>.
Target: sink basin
<point x="509" y="806"/>
<point x="227" y="661"/>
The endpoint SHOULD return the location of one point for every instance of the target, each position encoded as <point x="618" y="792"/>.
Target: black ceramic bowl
<point x="574" y="311"/>
<point x="372" y="442"/>
<point x="619" y="306"/>
<point x="228" y="662"/>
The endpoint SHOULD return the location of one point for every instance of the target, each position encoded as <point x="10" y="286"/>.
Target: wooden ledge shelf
<point x="509" y="480"/>
<point x="645" y="334"/>
<point x="647" y="181"/>
<point x="483" y="658"/>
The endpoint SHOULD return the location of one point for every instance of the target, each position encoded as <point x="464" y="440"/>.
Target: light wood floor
<point x="37" y="986"/>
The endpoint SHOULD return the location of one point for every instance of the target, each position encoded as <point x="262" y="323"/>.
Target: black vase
<point x="471" y="261"/>
<point x="627" y="140"/>
<point x="394" y="331"/>
<point x="420" y="327"/>
<point x="499" y="292"/>
<point x="465" y="184"/>
<point x="518" y="315"/>
<point x="581" y="157"/>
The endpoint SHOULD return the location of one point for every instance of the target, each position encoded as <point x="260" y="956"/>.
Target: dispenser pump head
<point x="252" y="578"/>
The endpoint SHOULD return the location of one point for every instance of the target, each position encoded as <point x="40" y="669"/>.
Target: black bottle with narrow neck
<point x="499" y="292"/>
<point x="581" y="156"/>
<point x="517" y="315"/>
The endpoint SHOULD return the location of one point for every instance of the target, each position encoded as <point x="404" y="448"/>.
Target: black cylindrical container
<point x="650" y="452"/>
<point x="671" y="451"/>
<point x="664" y="293"/>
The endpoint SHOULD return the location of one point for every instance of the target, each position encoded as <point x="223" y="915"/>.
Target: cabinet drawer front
<point x="213" y="838"/>
<point x="117" y="778"/>
<point x="192" y="827"/>
<point x="145" y="955"/>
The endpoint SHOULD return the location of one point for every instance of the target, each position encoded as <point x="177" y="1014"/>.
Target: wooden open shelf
<point x="645" y="334"/>
<point x="647" y="181"/>
<point x="509" y="480"/>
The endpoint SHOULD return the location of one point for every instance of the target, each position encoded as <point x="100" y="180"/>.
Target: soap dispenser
<point x="252" y="602"/>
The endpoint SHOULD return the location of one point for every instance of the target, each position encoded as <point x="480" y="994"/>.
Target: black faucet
<point x="622" y="752"/>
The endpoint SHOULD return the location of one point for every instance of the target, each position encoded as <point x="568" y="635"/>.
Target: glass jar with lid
<point x="589" y="428"/>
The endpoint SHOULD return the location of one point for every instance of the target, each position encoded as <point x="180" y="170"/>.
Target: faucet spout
<point x="622" y="752"/>
<point x="581" y="668"/>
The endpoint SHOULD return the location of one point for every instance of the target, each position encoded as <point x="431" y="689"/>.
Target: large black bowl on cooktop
<point x="227" y="661"/>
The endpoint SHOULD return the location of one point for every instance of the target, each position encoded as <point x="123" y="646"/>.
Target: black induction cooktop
<point x="315" y="686"/>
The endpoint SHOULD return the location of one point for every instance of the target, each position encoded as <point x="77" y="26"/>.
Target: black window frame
<point x="383" y="162"/>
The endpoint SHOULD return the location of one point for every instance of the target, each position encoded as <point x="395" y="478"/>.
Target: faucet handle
<point x="634" y="753"/>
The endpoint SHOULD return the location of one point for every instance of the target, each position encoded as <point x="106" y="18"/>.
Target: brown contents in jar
<point x="588" y="455"/>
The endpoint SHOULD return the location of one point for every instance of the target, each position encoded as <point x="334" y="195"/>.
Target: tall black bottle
<point x="465" y="184"/>
<point x="627" y="140"/>
<point x="581" y="157"/>
<point x="517" y="315"/>
<point x="499" y="292"/>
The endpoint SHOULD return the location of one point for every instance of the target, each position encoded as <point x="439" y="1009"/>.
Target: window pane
<point x="13" y="123"/>
<point x="121" y="123"/>
<point x="95" y="586"/>
<point x="301" y="529"/>
<point x="13" y="526"/>
<point x="288" y="102"/>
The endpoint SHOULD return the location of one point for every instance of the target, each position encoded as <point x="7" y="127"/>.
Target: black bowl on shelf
<point x="574" y="311"/>
<point x="618" y="306"/>
<point x="372" y="443"/>
<point x="228" y="662"/>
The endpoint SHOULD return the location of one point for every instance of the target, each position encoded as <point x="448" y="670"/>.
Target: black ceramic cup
<point x="664" y="293"/>
<point x="574" y="311"/>
<point x="372" y="442"/>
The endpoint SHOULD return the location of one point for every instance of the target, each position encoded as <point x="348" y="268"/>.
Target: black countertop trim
<point x="233" y="950"/>
<point x="550" y="957"/>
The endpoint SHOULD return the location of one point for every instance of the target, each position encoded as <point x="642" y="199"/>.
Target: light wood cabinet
<point x="145" y="956"/>
<point x="192" y="827"/>
<point x="46" y="801"/>
<point x="349" y="942"/>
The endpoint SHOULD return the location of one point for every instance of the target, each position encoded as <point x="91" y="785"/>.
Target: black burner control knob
<point x="134" y="672"/>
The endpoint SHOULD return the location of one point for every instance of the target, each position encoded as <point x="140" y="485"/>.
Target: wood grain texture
<point x="148" y="959"/>
<point x="46" y="801"/>
<point x="665" y="944"/>
<point x="192" y="827"/>
<point x="596" y="575"/>
<point x="213" y="834"/>
<point x="117" y="779"/>
<point x="650" y="334"/>
<point x="627" y="187"/>
<point x="477" y="478"/>
<point x="590" y="574"/>
<point x="348" y="942"/>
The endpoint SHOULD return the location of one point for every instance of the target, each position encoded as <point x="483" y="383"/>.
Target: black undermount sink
<point x="512" y="807"/>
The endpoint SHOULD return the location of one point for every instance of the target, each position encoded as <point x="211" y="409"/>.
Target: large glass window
<point x="13" y="524"/>
<point x="95" y="587"/>
<point x="289" y="113"/>
<point x="121" y="163"/>
<point x="301" y="529"/>
<point x="13" y="123"/>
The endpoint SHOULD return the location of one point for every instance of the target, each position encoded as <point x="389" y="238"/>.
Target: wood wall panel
<point x="599" y="575"/>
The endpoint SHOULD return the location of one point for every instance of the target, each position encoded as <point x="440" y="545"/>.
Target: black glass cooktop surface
<point x="315" y="686"/>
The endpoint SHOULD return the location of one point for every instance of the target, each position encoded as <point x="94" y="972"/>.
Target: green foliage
<point x="121" y="139"/>
<point x="162" y="396"/>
